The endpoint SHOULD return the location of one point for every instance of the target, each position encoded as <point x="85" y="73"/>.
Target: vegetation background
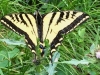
<point x="78" y="49"/>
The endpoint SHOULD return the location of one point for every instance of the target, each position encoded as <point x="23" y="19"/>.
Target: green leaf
<point x="1" y="73"/>
<point x="81" y="32"/>
<point x="76" y="62"/>
<point x="4" y="63"/>
<point x="6" y="56"/>
<point x="12" y="42"/>
<point x="13" y="53"/>
<point x="4" y="60"/>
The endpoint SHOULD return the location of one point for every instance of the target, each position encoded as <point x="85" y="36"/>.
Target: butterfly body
<point x="49" y="26"/>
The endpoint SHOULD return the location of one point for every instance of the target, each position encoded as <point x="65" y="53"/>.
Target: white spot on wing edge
<point x="33" y="51"/>
<point x="53" y="50"/>
<point x="57" y="44"/>
<point x="60" y="39"/>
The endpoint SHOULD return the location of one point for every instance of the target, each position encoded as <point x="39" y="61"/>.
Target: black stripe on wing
<point x="53" y="15"/>
<point x="60" y="17"/>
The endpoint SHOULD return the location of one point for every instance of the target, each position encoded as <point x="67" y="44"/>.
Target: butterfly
<point x="49" y="26"/>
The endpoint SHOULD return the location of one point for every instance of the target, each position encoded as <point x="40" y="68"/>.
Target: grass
<point x="79" y="44"/>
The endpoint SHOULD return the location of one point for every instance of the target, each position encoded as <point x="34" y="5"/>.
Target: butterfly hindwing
<point x="57" y="23"/>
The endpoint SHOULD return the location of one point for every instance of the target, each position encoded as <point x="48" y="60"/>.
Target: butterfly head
<point x="42" y="49"/>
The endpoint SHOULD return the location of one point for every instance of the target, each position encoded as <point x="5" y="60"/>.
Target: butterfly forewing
<point x="24" y="24"/>
<point x="58" y="23"/>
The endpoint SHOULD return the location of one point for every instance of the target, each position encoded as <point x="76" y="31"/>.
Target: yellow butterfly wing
<point x="57" y="23"/>
<point x="24" y="24"/>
